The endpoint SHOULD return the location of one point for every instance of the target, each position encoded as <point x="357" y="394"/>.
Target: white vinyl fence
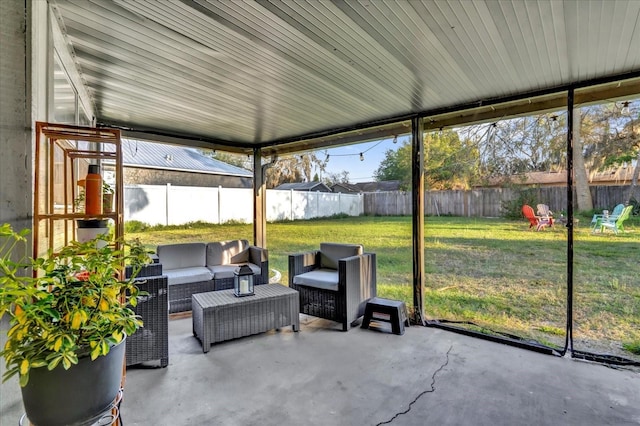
<point x="177" y="205"/>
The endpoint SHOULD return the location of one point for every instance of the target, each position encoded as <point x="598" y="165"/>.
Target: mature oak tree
<point x="294" y="168"/>
<point x="605" y="138"/>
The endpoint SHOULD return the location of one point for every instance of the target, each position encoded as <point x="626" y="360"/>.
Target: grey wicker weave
<point x="209" y="265"/>
<point x="150" y="270"/>
<point x="356" y="285"/>
<point x="180" y="295"/>
<point x="150" y="342"/>
<point x="262" y="278"/>
<point x="220" y="315"/>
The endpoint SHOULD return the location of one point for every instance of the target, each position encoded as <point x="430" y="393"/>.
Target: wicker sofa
<point x="200" y="267"/>
<point x="334" y="282"/>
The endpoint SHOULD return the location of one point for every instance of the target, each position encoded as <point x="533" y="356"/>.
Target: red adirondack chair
<point x="537" y="221"/>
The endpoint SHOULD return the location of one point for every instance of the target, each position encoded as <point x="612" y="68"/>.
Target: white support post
<point x="219" y="204"/>
<point x="167" y="200"/>
<point x="291" y="200"/>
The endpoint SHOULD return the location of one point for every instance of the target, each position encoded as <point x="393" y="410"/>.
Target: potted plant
<point x="137" y="250"/>
<point x="70" y="316"/>
<point x="78" y="202"/>
<point x="107" y="198"/>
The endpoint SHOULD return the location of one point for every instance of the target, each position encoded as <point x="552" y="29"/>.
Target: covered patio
<point x="322" y="376"/>
<point x="272" y="78"/>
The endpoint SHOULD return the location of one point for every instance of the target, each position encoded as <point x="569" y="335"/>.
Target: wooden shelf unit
<point x="62" y="156"/>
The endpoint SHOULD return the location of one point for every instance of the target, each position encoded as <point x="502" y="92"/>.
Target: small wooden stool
<point x="392" y="311"/>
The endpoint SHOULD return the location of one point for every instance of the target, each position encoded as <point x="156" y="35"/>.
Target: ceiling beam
<point x="526" y="105"/>
<point x="475" y="113"/>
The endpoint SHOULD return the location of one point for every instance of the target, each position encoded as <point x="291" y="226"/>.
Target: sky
<point x="348" y="158"/>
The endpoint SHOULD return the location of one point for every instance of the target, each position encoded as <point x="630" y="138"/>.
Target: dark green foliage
<point x="636" y="207"/>
<point x="450" y="163"/>
<point x="513" y="208"/>
<point x="135" y="226"/>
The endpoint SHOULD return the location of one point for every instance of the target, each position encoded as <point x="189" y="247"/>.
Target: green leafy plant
<point x="76" y="304"/>
<point x="107" y="188"/>
<point x="138" y="254"/>
<point x="78" y="202"/>
<point x="512" y="209"/>
<point x="131" y="226"/>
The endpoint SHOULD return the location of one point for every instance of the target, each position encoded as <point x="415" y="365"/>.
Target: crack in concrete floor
<point x="424" y="392"/>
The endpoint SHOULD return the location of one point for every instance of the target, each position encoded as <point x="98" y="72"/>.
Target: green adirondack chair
<point x="616" y="224"/>
<point x="597" y="218"/>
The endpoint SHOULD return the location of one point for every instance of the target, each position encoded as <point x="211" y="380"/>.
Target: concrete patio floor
<point x="323" y="376"/>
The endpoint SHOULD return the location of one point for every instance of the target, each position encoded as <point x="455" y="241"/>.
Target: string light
<point x="491" y="135"/>
<point x="395" y="139"/>
<point x="625" y="108"/>
<point x="360" y="154"/>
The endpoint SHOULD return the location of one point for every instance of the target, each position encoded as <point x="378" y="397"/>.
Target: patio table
<point x="220" y="315"/>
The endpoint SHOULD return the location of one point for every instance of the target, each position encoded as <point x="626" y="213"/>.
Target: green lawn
<point x="494" y="273"/>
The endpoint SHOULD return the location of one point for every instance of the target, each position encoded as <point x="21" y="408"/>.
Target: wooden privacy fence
<point x="486" y="202"/>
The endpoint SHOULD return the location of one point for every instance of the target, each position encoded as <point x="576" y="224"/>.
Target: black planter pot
<point x="77" y="395"/>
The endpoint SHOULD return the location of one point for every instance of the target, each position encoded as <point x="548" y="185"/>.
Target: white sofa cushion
<point x="226" y="271"/>
<point x="187" y="275"/>
<point x="326" y="279"/>
<point x="222" y="252"/>
<point x="185" y="255"/>
<point x="330" y="253"/>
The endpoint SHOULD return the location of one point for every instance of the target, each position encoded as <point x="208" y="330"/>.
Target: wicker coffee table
<point x="220" y="315"/>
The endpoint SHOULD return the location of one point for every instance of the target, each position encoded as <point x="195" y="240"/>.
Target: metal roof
<point x="274" y="73"/>
<point x="385" y="185"/>
<point x="304" y="186"/>
<point x="170" y="157"/>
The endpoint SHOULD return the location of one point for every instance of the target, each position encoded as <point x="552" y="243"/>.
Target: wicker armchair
<point x="151" y="342"/>
<point x="334" y="282"/>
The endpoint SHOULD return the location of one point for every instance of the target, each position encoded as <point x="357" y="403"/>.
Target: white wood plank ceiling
<point x="258" y="73"/>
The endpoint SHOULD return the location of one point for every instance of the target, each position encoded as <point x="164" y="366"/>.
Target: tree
<point x="333" y="178"/>
<point x="449" y="162"/>
<point x="613" y="139"/>
<point x="517" y="146"/>
<point x="632" y="132"/>
<point x="295" y="168"/>
<point x="238" y="160"/>
<point x="604" y="138"/>
<point x="581" y="181"/>
<point x="396" y="165"/>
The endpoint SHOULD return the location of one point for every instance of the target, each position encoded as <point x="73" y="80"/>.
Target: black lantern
<point x="243" y="281"/>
